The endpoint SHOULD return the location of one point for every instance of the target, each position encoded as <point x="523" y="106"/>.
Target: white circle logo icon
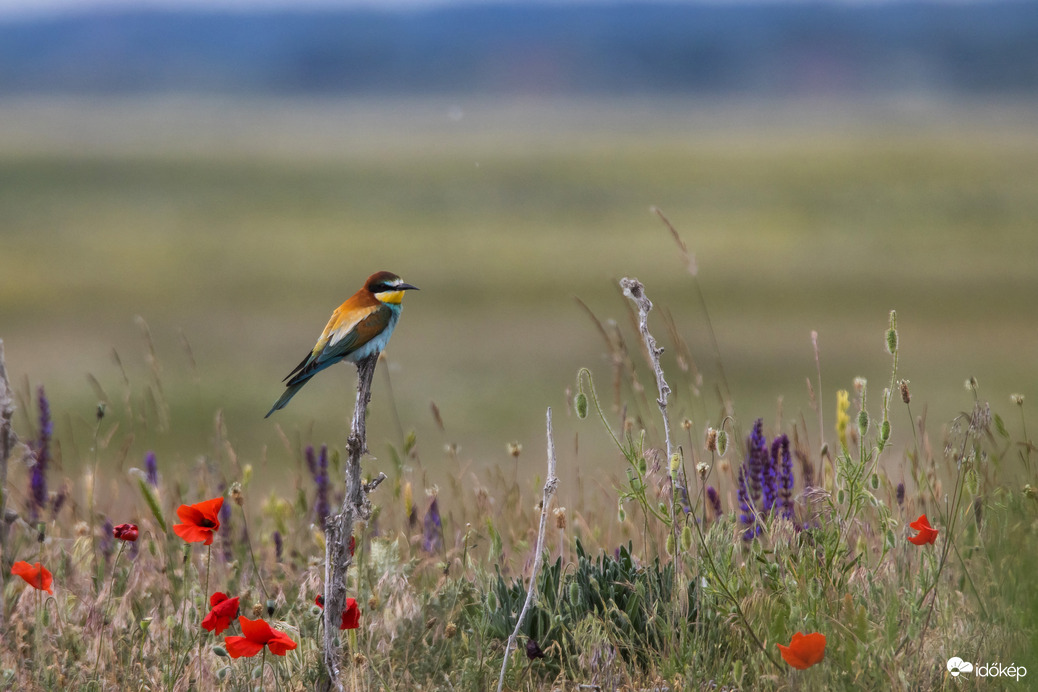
<point x="956" y="666"/>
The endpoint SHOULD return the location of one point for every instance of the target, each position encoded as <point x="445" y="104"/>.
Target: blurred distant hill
<point x="715" y="48"/>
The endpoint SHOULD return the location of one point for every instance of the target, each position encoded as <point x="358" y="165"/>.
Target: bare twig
<point x="549" y="491"/>
<point x="339" y="528"/>
<point x="634" y="290"/>
<point x="7" y="442"/>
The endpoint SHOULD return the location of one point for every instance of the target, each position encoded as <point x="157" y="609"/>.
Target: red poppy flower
<point x="200" y="521"/>
<point x="257" y="635"/>
<point x="804" y="650"/>
<point x="350" y="614"/>
<point x="223" y="611"/>
<point x="927" y="533"/>
<point x="36" y="576"/>
<point x="125" y="532"/>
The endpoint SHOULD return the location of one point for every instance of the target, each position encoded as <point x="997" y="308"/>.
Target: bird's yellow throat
<point x="392" y="297"/>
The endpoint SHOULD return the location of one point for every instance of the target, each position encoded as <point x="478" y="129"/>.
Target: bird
<point x="358" y="328"/>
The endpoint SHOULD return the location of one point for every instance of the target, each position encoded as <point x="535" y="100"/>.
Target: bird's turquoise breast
<point x="377" y="344"/>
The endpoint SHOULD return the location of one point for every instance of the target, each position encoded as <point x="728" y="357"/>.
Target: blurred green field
<point x="240" y="226"/>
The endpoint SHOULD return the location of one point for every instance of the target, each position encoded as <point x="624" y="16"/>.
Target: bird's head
<point x="387" y="287"/>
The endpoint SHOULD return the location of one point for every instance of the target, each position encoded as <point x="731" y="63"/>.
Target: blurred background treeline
<point x="185" y="195"/>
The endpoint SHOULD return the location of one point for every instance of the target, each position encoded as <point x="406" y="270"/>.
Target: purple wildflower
<point x="432" y="537"/>
<point x="151" y="466"/>
<point x="107" y="543"/>
<point x="279" y="545"/>
<point x="769" y="476"/>
<point x="41" y="451"/>
<point x="318" y="466"/>
<point x="715" y="500"/>
<point x="686" y="505"/>
<point x="785" y="477"/>
<point x="756" y="460"/>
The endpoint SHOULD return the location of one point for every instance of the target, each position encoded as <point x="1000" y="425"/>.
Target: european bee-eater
<point x="358" y="328"/>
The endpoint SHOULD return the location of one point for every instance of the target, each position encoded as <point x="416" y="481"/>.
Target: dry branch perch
<point x="550" y="485"/>
<point x="339" y="527"/>
<point x="634" y="290"/>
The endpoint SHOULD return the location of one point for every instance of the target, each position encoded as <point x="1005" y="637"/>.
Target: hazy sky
<point x="35" y="7"/>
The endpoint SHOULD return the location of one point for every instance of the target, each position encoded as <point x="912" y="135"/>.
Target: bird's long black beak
<point x="406" y="287"/>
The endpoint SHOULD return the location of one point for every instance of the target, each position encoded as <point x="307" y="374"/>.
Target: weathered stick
<point x="7" y="442"/>
<point x="634" y="290"/>
<point x="339" y="527"/>
<point x="549" y="491"/>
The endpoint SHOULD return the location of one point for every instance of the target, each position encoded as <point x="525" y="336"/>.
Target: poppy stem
<point x="104" y="611"/>
<point x="205" y="599"/>
<point x="248" y="542"/>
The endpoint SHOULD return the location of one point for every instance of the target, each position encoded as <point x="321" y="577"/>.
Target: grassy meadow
<point x="174" y="258"/>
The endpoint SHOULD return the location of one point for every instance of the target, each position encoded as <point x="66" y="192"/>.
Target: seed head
<point x="515" y="449"/>
<point x="1017" y="399"/>
<point x="711" y="440"/>
<point x="560" y="518"/>
<point x="236" y="494"/>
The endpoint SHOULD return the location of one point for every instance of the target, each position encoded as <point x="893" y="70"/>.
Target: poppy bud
<point x="581" y="405"/>
<point x="863" y="422"/>
<point x="686" y="538"/>
<point x="892" y="333"/>
<point x="722" y="442"/>
<point x="574" y="594"/>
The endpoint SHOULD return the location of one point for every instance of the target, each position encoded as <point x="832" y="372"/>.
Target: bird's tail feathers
<point x="286" y="397"/>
